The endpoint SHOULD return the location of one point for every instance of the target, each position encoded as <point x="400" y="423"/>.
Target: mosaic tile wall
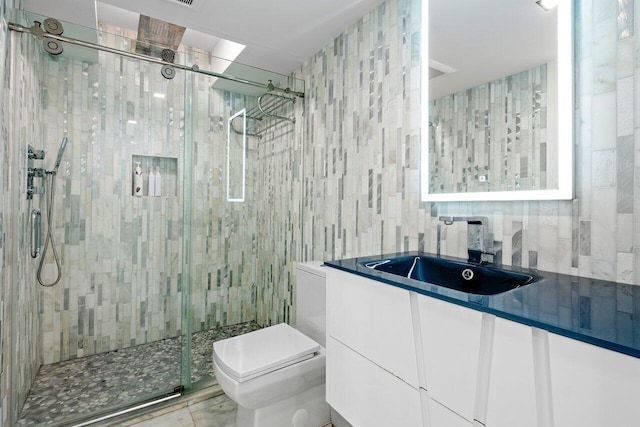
<point x="361" y="154"/>
<point x="122" y="255"/>
<point x="21" y="330"/>
<point x="5" y="324"/>
<point x="223" y="234"/>
<point x="492" y="137"/>
<point x="361" y="174"/>
<point x="278" y="204"/>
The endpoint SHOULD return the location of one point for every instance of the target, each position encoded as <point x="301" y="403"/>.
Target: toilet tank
<point x="311" y="296"/>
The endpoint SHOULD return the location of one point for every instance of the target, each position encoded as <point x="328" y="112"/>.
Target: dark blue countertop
<point x="599" y="312"/>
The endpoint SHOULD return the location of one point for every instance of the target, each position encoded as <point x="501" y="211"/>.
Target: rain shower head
<point x="63" y="145"/>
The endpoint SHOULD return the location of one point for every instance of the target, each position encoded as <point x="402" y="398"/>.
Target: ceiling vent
<point x="185" y="2"/>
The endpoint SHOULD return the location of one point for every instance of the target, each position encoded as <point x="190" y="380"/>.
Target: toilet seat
<point x="266" y="350"/>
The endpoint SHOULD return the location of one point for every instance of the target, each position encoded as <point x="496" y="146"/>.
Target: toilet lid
<point x="250" y="355"/>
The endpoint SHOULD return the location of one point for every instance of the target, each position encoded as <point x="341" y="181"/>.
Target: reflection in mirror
<point x="236" y="156"/>
<point x="499" y="117"/>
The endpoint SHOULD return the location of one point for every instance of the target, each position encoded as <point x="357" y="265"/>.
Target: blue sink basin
<point x="461" y="276"/>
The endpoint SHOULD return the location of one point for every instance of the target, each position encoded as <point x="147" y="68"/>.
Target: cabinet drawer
<point x="374" y="319"/>
<point x="593" y="386"/>
<point x="367" y="395"/>
<point x="451" y="348"/>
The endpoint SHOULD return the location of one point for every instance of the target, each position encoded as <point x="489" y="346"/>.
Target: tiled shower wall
<point x="278" y="207"/>
<point x="361" y="155"/>
<point x="223" y="234"/>
<point x="20" y="347"/>
<point x="123" y="255"/>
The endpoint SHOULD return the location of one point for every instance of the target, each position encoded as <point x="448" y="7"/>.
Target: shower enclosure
<point x="154" y="266"/>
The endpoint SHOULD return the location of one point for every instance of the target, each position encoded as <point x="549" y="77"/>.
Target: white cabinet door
<point x="451" y="349"/>
<point x="374" y="319"/>
<point x="512" y="394"/>
<point x="593" y="386"/>
<point x="444" y="417"/>
<point x="367" y="395"/>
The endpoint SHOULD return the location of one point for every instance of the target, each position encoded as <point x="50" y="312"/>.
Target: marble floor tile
<point x="217" y="412"/>
<point x="179" y="418"/>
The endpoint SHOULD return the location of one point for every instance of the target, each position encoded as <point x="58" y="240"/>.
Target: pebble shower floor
<point x="89" y="385"/>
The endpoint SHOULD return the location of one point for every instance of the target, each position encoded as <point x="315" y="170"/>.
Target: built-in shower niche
<point x="153" y="176"/>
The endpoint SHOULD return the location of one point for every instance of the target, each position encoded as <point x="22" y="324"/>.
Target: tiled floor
<point x="90" y="385"/>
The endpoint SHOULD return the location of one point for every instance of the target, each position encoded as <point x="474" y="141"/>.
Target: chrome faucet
<point x="477" y="237"/>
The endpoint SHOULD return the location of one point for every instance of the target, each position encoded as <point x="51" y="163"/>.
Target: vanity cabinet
<point x="396" y="357"/>
<point x="592" y="386"/>
<point x="372" y="375"/>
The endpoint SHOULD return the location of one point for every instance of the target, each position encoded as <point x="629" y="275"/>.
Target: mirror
<point x="498" y="124"/>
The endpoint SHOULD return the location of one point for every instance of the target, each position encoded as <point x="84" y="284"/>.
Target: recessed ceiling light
<point x="547" y="4"/>
<point x="159" y="95"/>
<point x="132" y="122"/>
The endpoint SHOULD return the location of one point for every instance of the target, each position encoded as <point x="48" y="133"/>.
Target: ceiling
<point x="279" y="35"/>
<point x="488" y="40"/>
<point x="475" y="41"/>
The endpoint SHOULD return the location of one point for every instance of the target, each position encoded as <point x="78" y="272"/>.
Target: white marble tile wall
<point x="223" y="234"/>
<point x="122" y="255"/>
<point x="361" y="162"/>
<point x="21" y="111"/>
<point x="361" y="153"/>
<point x="278" y="207"/>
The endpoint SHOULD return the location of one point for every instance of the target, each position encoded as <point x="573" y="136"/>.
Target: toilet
<point x="276" y="375"/>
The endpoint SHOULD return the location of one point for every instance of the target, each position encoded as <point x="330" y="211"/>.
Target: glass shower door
<point x="112" y="328"/>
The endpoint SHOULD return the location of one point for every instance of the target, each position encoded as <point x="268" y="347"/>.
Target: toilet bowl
<point x="276" y="375"/>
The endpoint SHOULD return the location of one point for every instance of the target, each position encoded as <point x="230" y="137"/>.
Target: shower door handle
<point x="36" y="239"/>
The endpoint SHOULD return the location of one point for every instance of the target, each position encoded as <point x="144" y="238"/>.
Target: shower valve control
<point x="33" y="172"/>
<point x="35" y="154"/>
<point x="36" y="172"/>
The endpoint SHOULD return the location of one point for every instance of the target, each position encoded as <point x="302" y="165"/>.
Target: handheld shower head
<point x="63" y="145"/>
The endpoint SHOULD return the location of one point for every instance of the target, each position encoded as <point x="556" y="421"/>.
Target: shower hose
<point x="49" y="197"/>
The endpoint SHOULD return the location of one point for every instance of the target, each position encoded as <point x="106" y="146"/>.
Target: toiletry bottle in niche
<point x="152" y="184"/>
<point x="137" y="180"/>
<point x="158" y="182"/>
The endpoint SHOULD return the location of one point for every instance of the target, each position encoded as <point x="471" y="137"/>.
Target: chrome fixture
<point x="37" y="31"/>
<point x="33" y="172"/>
<point x="52" y="27"/>
<point x="477" y="237"/>
<point x="268" y="106"/>
<point x="167" y="71"/>
<point x="35" y="220"/>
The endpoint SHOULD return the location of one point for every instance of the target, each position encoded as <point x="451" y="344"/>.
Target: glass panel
<point x="112" y="327"/>
<point x="156" y="263"/>
<point x="223" y="234"/>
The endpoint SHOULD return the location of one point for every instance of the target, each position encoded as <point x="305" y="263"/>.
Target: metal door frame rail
<point x="194" y="68"/>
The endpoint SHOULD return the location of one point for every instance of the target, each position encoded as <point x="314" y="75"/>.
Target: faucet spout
<point x="477" y="236"/>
